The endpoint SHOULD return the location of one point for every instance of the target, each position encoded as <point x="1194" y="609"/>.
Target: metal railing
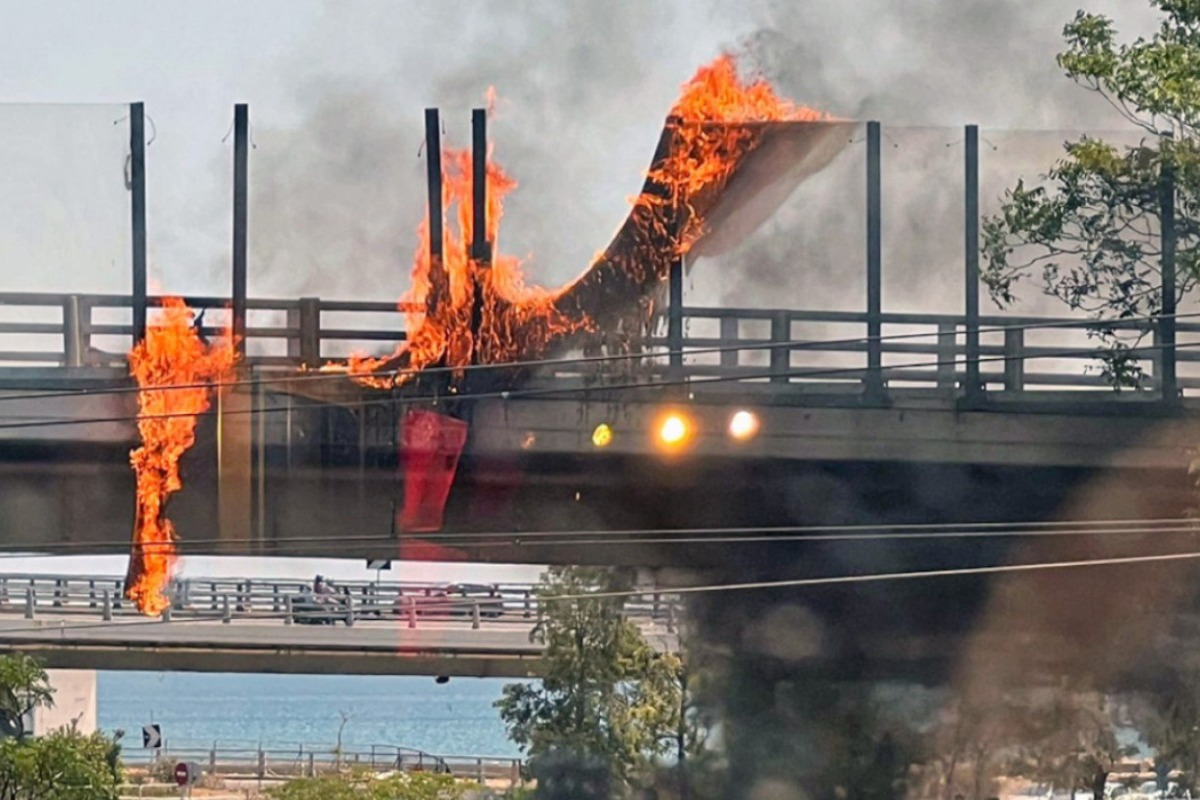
<point x="294" y="602"/>
<point x="265" y="762"/>
<point x="779" y="348"/>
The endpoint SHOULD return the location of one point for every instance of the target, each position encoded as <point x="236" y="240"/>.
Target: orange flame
<point x="460" y="312"/>
<point x="174" y="369"/>
<point x="714" y="118"/>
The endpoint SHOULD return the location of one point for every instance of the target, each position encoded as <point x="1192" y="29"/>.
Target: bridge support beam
<point x="137" y="195"/>
<point x="873" y="391"/>
<point x="241" y="192"/>
<point x="235" y="431"/>
<point x="973" y="390"/>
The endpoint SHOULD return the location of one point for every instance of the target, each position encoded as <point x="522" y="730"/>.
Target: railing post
<point x="349" y="611"/>
<point x="289" y="610"/>
<point x="226" y="610"/>
<point x="74" y="348"/>
<point x="1014" y="360"/>
<point x="137" y="199"/>
<point x="3" y="591"/>
<point x="91" y="594"/>
<point x="475" y="617"/>
<point x="873" y="390"/>
<point x="412" y="612"/>
<point x="675" y="320"/>
<point x="60" y="591"/>
<point x="528" y="604"/>
<point x="1166" y="321"/>
<point x="30" y="603"/>
<point x="108" y="606"/>
<point x="729" y="339"/>
<point x="974" y="385"/>
<point x="166" y="613"/>
<point x="947" y="340"/>
<point x="670" y="618"/>
<point x="781" y="354"/>
<point x="305" y="319"/>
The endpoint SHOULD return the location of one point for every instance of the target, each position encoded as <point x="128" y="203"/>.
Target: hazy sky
<point x="337" y="89"/>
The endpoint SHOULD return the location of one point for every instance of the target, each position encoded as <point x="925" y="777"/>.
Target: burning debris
<point x="463" y="310"/>
<point x="731" y="150"/>
<point x="175" y="369"/>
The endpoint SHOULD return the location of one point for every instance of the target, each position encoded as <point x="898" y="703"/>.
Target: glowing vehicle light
<point x="673" y="430"/>
<point x="602" y="436"/>
<point x="743" y="425"/>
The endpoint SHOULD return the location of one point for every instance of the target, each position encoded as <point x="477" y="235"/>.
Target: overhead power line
<point x="670" y="536"/>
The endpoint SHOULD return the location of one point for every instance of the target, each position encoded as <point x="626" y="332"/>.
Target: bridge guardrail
<point x="309" y="760"/>
<point x="293" y="602"/>
<point x="777" y="347"/>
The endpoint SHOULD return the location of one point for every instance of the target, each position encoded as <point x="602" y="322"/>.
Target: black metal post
<point x="241" y="188"/>
<point x="137" y="193"/>
<point x="480" y="246"/>
<point x="433" y="164"/>
<point x="1166" y="320"/>
<point x="874" y="380"/>
<point x="974" y="386"/>
<point x="675" y="318"/>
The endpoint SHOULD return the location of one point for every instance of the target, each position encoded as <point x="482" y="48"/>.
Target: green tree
<point x="63" y="765"/>
<point x="401" y="786"/>
<point x="1091" y="230"/>
<point x="606" y="699"/>
<point x="24" y="686"/>
<point x="1070" y="742"/>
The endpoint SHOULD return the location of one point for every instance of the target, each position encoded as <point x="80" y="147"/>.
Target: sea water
<point x="200" y="709"/>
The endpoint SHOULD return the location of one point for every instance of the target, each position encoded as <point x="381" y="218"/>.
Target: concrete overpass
<point x="244" y="625"/>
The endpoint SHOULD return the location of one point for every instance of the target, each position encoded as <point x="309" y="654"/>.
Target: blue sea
<point x="198" y="709"/>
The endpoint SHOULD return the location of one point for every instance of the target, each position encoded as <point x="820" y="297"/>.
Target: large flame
<point x="174" y="368"/>
<point x="460" y="312"/>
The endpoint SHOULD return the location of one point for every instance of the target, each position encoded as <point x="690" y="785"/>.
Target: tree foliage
<point x="399" y="786"/>
<point x="1070" y="742"/>
<point x="24" y="686"/>
<point x="64" y="765"/>
<point x="1090" y="230"/>
<point x="607" y="698"/>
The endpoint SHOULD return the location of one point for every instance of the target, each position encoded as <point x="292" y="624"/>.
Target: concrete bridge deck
<point x="254" y="626"/>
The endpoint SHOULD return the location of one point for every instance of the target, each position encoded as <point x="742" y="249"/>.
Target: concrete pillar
<point x="234" y="489"/>
<point x="74" y="702"/>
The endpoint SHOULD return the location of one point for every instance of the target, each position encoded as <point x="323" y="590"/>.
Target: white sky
<point x="336" y="92"/>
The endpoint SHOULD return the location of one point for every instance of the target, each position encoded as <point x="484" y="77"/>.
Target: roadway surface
<point x="368" y="647"/>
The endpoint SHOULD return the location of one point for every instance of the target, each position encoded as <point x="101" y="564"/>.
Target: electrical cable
<point x="723" y="535"/>
<point x="834" y="580"/>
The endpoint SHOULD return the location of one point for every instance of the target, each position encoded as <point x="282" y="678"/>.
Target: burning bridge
<point x="727" y="442"/>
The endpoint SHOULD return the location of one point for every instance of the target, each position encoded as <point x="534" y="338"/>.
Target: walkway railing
<point x="265" y="762"/>
<point x="780" y="348"/>
<point x="288" y="602"/>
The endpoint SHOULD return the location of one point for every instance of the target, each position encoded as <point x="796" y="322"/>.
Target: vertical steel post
<point x="480" y="246"/>
<point x="1166" y="320"/>
<point x="241" y="188"/>
<point x="974" y="386"/>
<point x="137" y="194"/>
<point x="874" y="379"/>
<point x="675" y="319"/>
<point x="433" y="164"/>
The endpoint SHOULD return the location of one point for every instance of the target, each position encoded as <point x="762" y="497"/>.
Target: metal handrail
<point x="290" y="601"/>
<point x="304" y="334"/>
